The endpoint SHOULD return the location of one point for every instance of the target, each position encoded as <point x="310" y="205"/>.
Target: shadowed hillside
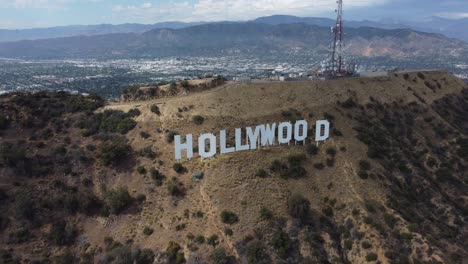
<point x="80" y="181"/>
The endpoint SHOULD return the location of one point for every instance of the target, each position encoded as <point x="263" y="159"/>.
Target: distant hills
<point x="456" y="28"/>
<point x="217" y="39"/>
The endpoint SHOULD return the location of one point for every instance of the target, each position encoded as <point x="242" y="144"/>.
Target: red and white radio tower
<point x="335" y="68"/>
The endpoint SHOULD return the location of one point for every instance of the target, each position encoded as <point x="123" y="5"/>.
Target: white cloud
<point x="453" y="15"/>
<point x="215" y="10"/>
<point x="38" y="4"/>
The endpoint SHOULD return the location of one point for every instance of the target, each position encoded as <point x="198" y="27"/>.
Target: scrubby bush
<point x="24" y="206"/>
<point x="218" y="256"/>
<point x="296" y="160"/>
<point x="312" y="150"/>
<point x="390" y="220"/>
<point x="62" y="233"/>
<point x="364" y="165"/>
<point x="366" y="245"/>
<point x="228" y="232"/>
<point x="155" y="109"/>
<point x="175" y="254"/>
<point x="134" y="112"/>
<point x="114" y="152"/>
<point x="229" y="217"/>
<point x="282" y="243"/>
<point x="170" y="136"/>
<point x="213" y="240"/>
<point x="117" y="200"/>
<point x="157" y="176"/>
<point x="147" y="231"/>
<point x="178" y="167"/>
<point x="363" y="175"/>
<point x="349" y="103"/>
<point x="319" y="166"/>
<point x="175" y="188"/>
<point x="144" y="135"/>
<point x="298" y="206"/>
<point x="331" y="151"/>
<point x="266" y="214"/>
<point x="261" y="173"/>
<point x="257" y="254"/>
<point x="200" y="239"/>
<point x="371" y="257"/>
<point x="198" y="120"/>
<point x="3" y="122"/>
<point x="141" y="170"/>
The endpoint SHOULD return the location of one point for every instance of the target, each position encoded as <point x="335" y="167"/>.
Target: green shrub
<point x="261" y="173"/>
<point x="200" y="239"/>
<point x="312" y="150"/>
<point x="24" y="206"/>
<point x="175" y="254"/>
<point x="178" y="167"/>
<point x="147" y="152"/>
<point x="144" y="135"/>
<point x="266" y="214"/>
<point x="157" y="176"/>
<point x="3" y="122"/>
<point x="348" y="244"/>
<point x="257" y="254"/>
<point x="198" y="120"/>
<point x="363" y="175"/>
<point x="319" y="166"/>
<point x="134" y="112"/>
<point x="328" y="211"/>
<point x="331" y="152"/>
<point x="349" y="103"/>
<point x="282" y="243"/>
<point x="147" y="231"/>
<point x="62" y="233"/>
<point x="364" y="165"/>
<point x="228" y="232"/>
<point x="141" y="170"/>
<point x="298" y="206"/>
<point x="371" y="257"/>
<point x="229" y="217"/>
<point x="390" y="220"/>
<point x="366" y="245"/>
<point x="155" y="109"/>
<point x="170" y="136"/>
<point x="114" y="152"/>
<point x="175" y="188"/>
<point x="296" y="160"/>
<point x="117" y="200"/>
<point x="19" y="236"/>
<point x="213" y="240"/>
<point x="218" y="256"/>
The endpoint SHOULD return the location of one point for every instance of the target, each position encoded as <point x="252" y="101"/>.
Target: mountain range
<point x="217" y="39"/>
<point x="454" y="28"/>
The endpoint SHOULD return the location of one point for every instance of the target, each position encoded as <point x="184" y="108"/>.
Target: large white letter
<point x="325" y="125"/>
<point x="268" y="134"/>
<point x="239" y="146"/>
<point x="300" y="126"/>
<point x="202" y="145"/>
<point x="224" y="149"/>
<point x="188" y="146"/>
<point x="253" y="137"/>
<point x="282" y="139"/>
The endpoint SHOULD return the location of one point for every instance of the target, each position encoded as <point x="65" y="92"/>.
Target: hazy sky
<point x="45" y="13"/>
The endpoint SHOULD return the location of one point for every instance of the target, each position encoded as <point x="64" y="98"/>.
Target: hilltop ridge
<point x="390" y="184"/>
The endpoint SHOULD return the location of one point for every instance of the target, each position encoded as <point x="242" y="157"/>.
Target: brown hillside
<point x="390" y="185"/>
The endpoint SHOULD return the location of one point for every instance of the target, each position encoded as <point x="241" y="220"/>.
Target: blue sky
<point x="45" y="13"/>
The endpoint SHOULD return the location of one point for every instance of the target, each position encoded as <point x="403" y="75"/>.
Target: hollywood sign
<point x="260" y="136"/>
